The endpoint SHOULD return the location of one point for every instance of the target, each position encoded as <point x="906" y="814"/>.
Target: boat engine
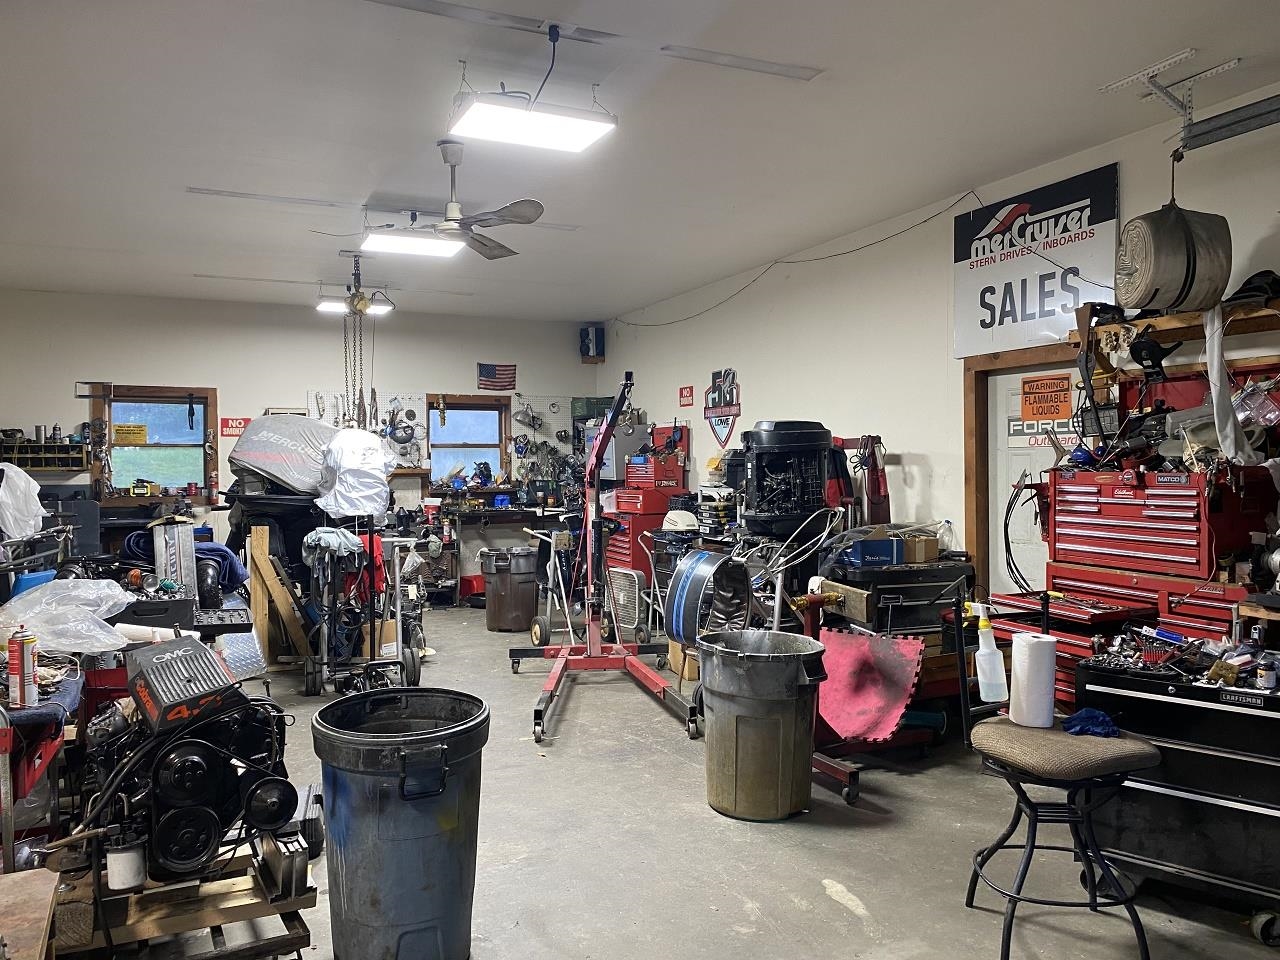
<point x="190" y="767"/>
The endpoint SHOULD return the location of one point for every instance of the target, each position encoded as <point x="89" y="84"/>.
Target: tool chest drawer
<point x="1073" y="643"/>
<point x="1169" y="523"/>
<point x="1184" y="605"/>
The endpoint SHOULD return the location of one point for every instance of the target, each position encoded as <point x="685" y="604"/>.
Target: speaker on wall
<point x="591" y="343"/>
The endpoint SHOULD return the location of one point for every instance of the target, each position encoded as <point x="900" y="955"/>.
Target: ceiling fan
<point x="459" y="229"/>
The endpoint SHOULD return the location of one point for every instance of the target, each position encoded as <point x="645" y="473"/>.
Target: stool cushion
<point x="1053" y="754"/>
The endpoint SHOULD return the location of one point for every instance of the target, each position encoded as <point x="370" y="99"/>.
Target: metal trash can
<point x="510" y="587"/>
<point x="401" y="771"/>
<point x="760" y="703"/>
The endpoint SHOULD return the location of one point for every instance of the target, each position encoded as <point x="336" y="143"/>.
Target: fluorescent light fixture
<point x="421" y="243"/>
<point x="793" y="71"/>
<point x="508" y="119"/>
<point x="331" y="304"/>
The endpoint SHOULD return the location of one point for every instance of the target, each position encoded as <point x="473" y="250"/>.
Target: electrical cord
<point x="844" y="253"/>
<point x="553" y="34"/>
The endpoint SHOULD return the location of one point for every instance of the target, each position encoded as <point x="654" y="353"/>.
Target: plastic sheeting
<point x="353" y="476"/>
<point x="68" y="616"/>
<point x="20" y="512"/>
<point x="283" y="447"/>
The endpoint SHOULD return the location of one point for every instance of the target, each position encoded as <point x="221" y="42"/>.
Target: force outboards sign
<point x="1024" y="264"/>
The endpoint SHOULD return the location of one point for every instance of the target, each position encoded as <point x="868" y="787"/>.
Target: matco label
<point x="1172" y="479"/>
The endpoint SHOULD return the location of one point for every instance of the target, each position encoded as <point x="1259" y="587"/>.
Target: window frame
<point x="104" y="394"/>
<point x="474" y="401"/>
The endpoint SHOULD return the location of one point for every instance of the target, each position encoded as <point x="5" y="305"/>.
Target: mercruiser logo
<point x="1016" y="225"/>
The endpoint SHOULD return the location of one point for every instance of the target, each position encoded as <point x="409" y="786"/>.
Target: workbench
<point x="471" y="533"/>
<point x="30" y="738"/>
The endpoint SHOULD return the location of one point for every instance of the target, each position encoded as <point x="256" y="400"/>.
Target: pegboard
<point x="556" y="416"/>
<point x="328" y="406"/>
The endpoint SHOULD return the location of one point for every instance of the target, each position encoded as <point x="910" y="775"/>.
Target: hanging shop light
<point x="414" y="242"/>
<point x="517" y="117"/>
<point x="508" y="118"/>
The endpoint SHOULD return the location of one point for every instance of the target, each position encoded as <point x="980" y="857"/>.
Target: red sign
<point x="234" y="426"/>
<point x="686" y="396"/>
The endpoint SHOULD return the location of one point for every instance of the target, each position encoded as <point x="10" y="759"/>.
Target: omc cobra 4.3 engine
<point x="190" y="768"/>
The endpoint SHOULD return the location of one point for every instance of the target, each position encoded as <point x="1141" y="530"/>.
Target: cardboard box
<point x="386" y="639"/>
<point x="682" y="665"/>
<point x="877" y="549"/>
<point x="919" y="549"/>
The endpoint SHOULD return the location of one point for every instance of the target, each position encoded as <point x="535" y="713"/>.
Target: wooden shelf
<point x="45" y="457"/>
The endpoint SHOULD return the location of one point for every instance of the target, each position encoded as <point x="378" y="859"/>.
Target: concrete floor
<point x="598" y="843"/>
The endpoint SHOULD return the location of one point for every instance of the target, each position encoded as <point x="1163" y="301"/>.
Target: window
<point x="173" y="454"/>
<point x="163" y="435"/>
<point x="475" y="430"/>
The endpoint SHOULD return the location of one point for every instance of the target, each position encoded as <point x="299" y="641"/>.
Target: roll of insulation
<point x="1173" y="259"/>
<point x="1031" y="686"/>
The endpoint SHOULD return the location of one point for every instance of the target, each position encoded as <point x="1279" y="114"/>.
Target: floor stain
<point x="843" y="896"/>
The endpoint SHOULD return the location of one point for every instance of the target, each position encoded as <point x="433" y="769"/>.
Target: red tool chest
<point x="623" y="548"/>
<point x="666" y="474"/>
<point x="643" y="501"/>
<point x="1167" y="523"/>
<point x="1191" y="607"/>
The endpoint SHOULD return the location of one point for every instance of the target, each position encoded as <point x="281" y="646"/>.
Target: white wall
<point x="863" y="343"/>
<point x="257" y="355"/>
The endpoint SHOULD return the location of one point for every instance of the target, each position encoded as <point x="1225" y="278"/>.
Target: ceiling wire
<point x="830" y="256"/>
<point x="844" y="253"/>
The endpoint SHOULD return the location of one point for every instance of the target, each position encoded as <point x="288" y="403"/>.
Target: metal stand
<point x="597" y="654"/>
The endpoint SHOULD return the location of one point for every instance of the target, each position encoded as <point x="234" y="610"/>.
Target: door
<point x="1021" y="443"/>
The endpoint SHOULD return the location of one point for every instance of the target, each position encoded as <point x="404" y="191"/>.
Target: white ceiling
<point x="111" y="110"/>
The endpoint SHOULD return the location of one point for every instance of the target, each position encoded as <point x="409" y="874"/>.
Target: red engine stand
<point x="596" y="654"/>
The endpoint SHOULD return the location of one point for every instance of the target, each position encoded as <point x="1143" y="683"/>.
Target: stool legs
<point x="1011" y="904"/>
<point x="985" y="856"/>
<point x="1095" y="855"/>
<point x="1102" y="885"/>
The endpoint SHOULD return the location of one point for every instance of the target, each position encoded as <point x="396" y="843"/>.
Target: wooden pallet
<point x="169" y="910"/>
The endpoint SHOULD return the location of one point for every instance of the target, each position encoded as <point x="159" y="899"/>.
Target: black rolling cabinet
<point x="1208" y="818"/>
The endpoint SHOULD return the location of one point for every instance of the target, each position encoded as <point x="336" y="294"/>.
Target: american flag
<point x="496" y="376"/>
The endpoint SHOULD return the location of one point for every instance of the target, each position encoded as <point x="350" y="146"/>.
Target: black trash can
<point x="401" y="775"/>
<point x="510" y="588"/>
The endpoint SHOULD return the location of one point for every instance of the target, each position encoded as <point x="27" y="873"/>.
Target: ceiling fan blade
<point x="488" y="248"/>
<point x="518" y="211"/>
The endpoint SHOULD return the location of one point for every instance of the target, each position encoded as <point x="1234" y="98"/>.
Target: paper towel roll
<point x="1031" y="686"/>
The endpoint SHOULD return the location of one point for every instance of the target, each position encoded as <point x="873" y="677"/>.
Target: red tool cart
<point x="1168" y="523"/>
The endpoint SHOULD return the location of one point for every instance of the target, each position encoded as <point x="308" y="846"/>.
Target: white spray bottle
<point x="993" y="685"/>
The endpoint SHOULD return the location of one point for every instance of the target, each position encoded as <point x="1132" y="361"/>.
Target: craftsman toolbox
<point x="1208" y="818"/>
<point x="903" y="597"/>
<point x="1177" y="524"/>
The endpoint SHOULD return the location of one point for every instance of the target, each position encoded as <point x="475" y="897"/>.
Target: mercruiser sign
<point x="1023" y="265"/>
